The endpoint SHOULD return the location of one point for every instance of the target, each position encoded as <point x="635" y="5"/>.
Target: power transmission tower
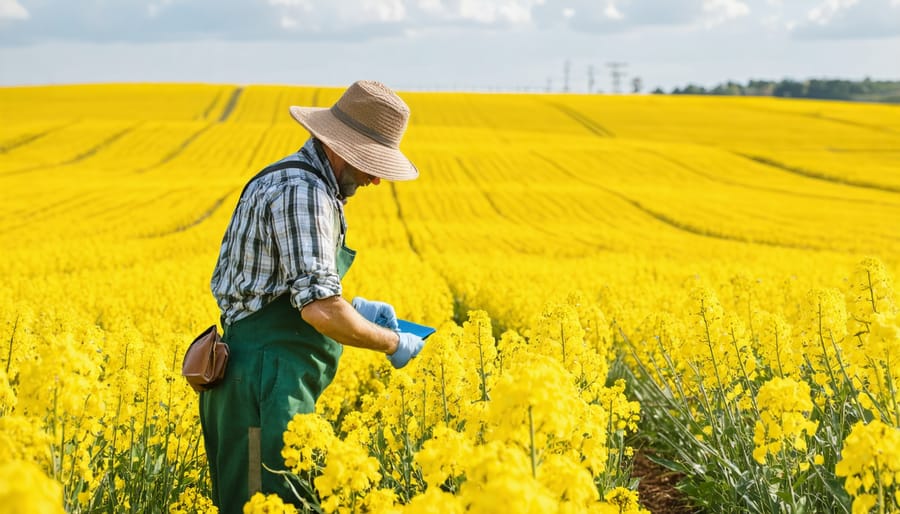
<point x="615" y="71"/>
<point x="566" y="68"/>
<point x="590" y="79"/>
<point x="636" y="85"/>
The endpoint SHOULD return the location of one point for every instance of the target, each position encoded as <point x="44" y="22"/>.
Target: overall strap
<point x="278" y="166"/>
<point x="296" y="165"/>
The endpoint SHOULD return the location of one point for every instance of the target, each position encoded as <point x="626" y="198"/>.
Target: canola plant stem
<point x="484" y="392"/>
<point x="12" y="337"/>
<point x="444" y="395"/>
<point x="880" y="488"/>
<point x="533" y="449"/>
<point x="778" y="354"/>
<point x="893" y="391"/>
<point x="871" y="291"/>
<point x="407" y="458"/>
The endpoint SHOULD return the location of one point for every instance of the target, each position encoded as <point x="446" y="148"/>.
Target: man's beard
<point x="347" y="184"/>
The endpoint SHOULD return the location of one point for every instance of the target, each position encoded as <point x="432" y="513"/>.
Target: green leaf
<point x="668" y="464"/>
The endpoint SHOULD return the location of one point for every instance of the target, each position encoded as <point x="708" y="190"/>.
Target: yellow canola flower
<point x="510" y="345"/>
<point x="717" y="350"/>
<point x="877" y="362"/>
<point x="870" y="292"/>
<point x="349" y="473"/>
<point x="62" y="381"/>
<point x="7" y="394"/>
<point x="397" y="410"/>
<point x="783" y="424"/>
<point x="594" y="323"/>
<point x="358" y="425"/>
<point x="609" y="415"/>
<point x="446" y="378"/>
<point x="500" y="479"/>
<point x="536" y="399"/>
<point x="268" y="504"/>
<point x="864" y="503"/>
<point x="380" y="501"/>
<point x="360" y="374"/>
<point x="623" y="413"/>
<point x="307" y="438"/>
<point x="22" y="438"/>
<point x="25" y="488"/>
<point x="569" y="481"/>
<point x="478" y="349"/>
<point x="661" y="341"/>
<point x="821" y="328"/>
<point x="444" y="456"/>
<point x="776" y="346"/>
<point x="870" y="463"/>
<point x="435" y="501"/>
<point x="190" y="501"/>
<point x="559" y="334"/>
<point x="625" y="501"/>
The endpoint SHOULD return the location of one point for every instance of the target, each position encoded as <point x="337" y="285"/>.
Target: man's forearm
<point x="337" y="319"/>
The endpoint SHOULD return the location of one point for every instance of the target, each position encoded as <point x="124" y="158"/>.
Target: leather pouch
<point x="205" y="360"/>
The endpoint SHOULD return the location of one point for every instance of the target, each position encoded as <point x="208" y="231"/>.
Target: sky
<point x="488" y="45"/>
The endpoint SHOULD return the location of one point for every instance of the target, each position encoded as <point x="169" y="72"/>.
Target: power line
<point x="616" y="73"/>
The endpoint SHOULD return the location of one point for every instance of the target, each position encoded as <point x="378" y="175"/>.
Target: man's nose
<point x="375" y="181"/>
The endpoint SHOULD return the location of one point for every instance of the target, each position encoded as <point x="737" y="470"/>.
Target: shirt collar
<point x="314" y="153"/>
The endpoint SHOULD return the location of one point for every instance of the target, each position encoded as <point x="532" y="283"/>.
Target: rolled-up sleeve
<point x="305" y="234"/>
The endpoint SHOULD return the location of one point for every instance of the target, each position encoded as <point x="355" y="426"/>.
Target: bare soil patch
<point x="656" y="488"/>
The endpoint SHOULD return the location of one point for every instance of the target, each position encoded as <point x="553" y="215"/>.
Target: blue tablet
<point x="415" y="329"/>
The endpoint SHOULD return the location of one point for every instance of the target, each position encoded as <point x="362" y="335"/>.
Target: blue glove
<point x="379" y="313"/>
<point x="407" y="348"/>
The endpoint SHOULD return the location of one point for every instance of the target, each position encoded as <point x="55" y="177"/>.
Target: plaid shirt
<point x="284" y="236"/>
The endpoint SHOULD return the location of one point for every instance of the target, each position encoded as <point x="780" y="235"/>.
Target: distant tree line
<point x="831" y="89"/>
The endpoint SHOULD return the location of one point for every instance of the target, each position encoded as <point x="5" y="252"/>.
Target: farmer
<point x="278" y="285"/>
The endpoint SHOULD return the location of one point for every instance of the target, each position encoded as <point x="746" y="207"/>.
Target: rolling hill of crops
<point x="673" y="238"/>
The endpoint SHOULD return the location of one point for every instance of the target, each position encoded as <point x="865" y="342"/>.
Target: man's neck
<point x="331" y="156"/>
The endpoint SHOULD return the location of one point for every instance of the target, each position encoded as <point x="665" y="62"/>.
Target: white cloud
<point x="155" y="8"/>
<point x="612" y="16"/>
<point x="428" y="12"/>
<point x="512" y="12"/>
<point x="365" y="20"/>
<point x="12" y="10"/>
<point x="430" y="5"/>
<point x="850" y="19"/>
<point x="824" y="12"/>
<point x="306" y="5"/>
<point x="612" y="12"/>
<point x="356" y="16"/>
<point x="384" y="10"/>
<point x="720" y="11"/>
<point x="288" y="22"/>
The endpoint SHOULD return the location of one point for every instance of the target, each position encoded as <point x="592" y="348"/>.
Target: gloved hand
<point x="379" y="313"/>
<point x="408" y="347"/>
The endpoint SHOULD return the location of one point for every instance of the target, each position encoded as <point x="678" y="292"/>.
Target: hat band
<point x="359" y="127"/>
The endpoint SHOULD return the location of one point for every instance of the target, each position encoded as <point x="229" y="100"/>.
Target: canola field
<point x="706" y="281"/>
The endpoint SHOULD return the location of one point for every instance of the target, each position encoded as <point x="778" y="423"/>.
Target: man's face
<point x="352" y="178"/>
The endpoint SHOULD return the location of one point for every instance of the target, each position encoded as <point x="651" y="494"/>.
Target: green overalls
<point x="277" y="367"/>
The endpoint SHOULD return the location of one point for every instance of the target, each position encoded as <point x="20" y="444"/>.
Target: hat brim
<point x="362" y="152"/>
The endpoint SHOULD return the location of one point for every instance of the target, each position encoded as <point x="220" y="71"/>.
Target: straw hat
<point x="363" y="127"/>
